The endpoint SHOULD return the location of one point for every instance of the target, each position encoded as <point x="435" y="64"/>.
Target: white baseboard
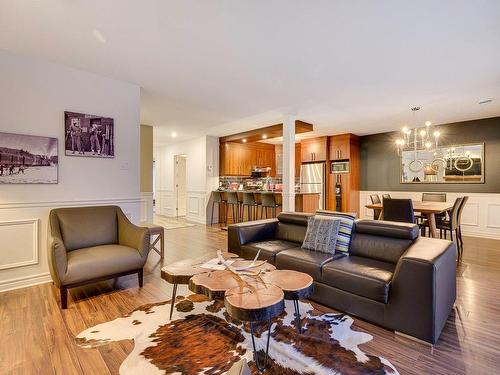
<point x="24" y="282"/>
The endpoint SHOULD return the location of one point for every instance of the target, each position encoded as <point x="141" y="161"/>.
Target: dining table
<point x="426" y="208"/>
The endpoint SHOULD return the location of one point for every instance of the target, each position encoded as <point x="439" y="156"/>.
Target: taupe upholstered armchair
<point x="89" y="244"/>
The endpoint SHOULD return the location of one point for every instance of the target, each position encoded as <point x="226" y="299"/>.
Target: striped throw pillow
<point x="345" y="230"/>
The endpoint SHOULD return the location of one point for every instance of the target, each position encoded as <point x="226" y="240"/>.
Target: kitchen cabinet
<point x="314" y="149"/>
<point x="344" y="147"/>
<point x="340" y="146"/>
<point x="279" y="159"/>
<point x="238" y="159"/>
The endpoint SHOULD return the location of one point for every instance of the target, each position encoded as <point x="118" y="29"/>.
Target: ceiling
<point x="222" y="67"/>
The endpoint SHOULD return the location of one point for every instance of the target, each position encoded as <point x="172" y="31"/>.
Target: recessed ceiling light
<point x="97" y="34"/>
<point x="173" y="134"/>
<point x="244" y="140"/>
<point x="485" y="101"/>
<point x="264" y="136"/>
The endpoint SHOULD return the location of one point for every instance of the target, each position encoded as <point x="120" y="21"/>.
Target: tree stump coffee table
<point x="253" y="298"/>
<point x="182" y="271"/>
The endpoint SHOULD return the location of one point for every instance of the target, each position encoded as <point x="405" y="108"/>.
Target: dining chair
<point x="450" y="225"/>
<point x="431" y="197"/>
<point x="377" y="211"/>
<point x="398" y="210"/>
<point x="386" y="196"/>
<point x="460" y="211"/>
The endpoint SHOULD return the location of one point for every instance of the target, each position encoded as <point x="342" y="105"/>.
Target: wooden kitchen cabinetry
<point x="279" y="159"/>
<point x="238" y="159"/>
<point x="340" y="146"/>
<point x="314" y="149"/>
<point x="344" y="147"/>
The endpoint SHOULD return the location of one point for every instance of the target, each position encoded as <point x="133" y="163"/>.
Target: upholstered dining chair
<point x="90" y="244"/>
<point x="376" y="200"/>
<point x="386" y="196"/>
<point x="432" y="197"/>
<point x="399" y="210"/>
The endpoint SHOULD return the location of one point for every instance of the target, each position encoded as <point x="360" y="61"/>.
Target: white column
<point x="289" y="164"/>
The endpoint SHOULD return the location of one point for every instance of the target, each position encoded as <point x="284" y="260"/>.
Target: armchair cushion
<point x="100" y="261"/>
<point x="87" y="226"/>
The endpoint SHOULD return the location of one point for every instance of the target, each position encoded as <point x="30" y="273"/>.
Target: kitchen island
<point x="304" y="202"/>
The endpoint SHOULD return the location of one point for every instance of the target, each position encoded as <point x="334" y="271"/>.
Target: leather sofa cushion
<point x="291" y="232"/>
<point x="99" y="261"/>
<point x="406" y="231"/>
<point x="297" y="218"/>
<point x="385" y="249"/>
<point x="88" y="226"/>
<point x="360" y="276"/>
<point x="268" y="249"/>
<point x="302" y="260"/>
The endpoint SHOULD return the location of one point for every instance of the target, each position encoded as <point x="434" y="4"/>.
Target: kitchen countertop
<point x="263" y="191"/>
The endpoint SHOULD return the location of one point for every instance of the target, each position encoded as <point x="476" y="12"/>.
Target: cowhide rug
<point x="203" y="339"/>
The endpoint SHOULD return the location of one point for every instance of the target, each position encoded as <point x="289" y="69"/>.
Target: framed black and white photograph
<point x="28" y="159"/>
<point x="89" y="135"/>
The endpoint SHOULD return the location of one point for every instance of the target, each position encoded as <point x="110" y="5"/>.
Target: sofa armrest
<point x="132" y="235"/>
<point x="423" y="289"/>
<point x="251" y="231"/>
<point x="56" y="251"/>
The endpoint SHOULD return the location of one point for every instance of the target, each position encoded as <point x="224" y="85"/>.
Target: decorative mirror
<point x="444" y="164"/>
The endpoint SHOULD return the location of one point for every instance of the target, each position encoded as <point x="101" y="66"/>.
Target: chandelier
<point x="423" y="138"/>
<point x="423" y="144"/>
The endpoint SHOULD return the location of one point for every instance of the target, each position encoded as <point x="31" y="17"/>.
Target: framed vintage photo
<point x="28" y="159"/>
<point x="88" y="135"/>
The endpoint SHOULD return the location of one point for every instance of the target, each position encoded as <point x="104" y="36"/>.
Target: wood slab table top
<point x="181" y="272"/>
<point x="421" y="206"/>
<point x="254" y="302"/>
<point x="429" y="209"/>
<point x="214" y="284"/>
<point x="295" y="285"/>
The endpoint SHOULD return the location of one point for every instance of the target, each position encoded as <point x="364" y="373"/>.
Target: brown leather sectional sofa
<point x="392" y="277"/>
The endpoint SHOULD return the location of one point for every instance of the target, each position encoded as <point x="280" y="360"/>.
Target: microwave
<point x="337" y="167"/>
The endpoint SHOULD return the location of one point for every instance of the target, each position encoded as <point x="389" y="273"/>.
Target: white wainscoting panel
<point x="19" y="243"/>
<point x="23" y="237"/>
<point x="196" y="206"/>
<point x="480" y="218"/>
<point x="147" y="206"/>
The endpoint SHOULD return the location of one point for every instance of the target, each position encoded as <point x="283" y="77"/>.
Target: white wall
<point x="33" y="98"/>
<point x="201" y="152"/>
<point x="480" y="218"/>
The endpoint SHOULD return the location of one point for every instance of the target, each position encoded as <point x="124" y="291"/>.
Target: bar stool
<point x="218" y="198"/>
<point x="269" y="201"/>
<point x="251" y="204"/>
<point x="232" y="200"/>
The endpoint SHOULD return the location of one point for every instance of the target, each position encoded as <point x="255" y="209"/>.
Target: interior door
<point x="180" y="184"/>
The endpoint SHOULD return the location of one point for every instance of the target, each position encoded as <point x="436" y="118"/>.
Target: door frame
<point x="176" y="184"/>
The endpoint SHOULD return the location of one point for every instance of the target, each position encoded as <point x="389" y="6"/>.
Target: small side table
<point x="159" y="232"/>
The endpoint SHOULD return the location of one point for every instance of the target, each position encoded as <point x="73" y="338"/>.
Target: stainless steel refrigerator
<point x="312" y="180"/>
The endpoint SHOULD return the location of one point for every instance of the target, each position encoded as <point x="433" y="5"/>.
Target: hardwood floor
<point x="38" y="337"/>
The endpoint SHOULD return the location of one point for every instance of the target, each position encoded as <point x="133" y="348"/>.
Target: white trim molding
<point x="480" y="218"/>
<point x="24" y="281"/>
<point x="67" y="203"/>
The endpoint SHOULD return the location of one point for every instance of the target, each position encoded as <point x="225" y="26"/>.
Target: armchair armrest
<point x="423" y="289"/>
<point x="242" y="233"/>
<point x="58" y="262"/>
<point x="132" y="235"/>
